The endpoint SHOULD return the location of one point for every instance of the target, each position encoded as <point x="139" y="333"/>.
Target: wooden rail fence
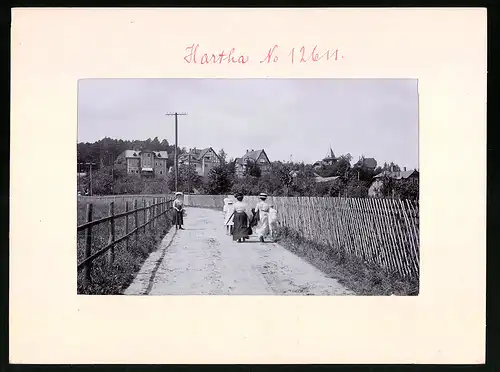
<point x="380" y="231"/>
<point x="151" y="210"/>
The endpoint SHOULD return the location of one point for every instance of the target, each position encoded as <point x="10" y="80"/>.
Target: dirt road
<point x="203" y="260"/>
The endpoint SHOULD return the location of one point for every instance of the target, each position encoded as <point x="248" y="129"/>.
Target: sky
<point x="292" y="119"/>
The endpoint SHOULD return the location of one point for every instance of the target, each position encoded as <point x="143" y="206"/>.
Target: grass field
<point x="113" y="279"/>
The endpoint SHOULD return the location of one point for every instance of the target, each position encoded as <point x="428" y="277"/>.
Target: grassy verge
<point x="114" y="278"/>
<point x="365" y="279"/>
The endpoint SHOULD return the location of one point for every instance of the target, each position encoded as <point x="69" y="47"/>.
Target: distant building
<point x="369" y="163"/>
<point x="377" y="183"/>
<point x="329" y="159"/>
<point x="143" y="162"/>
<point x="258" y="157"/>
<point x="203" y="160"/>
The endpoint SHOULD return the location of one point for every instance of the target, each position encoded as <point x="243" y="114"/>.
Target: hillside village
<point x="205" y="170"/>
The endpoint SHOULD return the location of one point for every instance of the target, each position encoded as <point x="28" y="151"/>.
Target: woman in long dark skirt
<point x="178" y="212"/>
<point x="240" y="220"/>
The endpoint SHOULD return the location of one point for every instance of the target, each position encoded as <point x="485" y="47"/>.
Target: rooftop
<point x="196" y="154"/>
<point x="396" y="175"/>
<point x="137" y="154"/>
<point x="250" y="154"/>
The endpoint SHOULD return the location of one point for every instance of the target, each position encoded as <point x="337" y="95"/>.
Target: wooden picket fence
<point x="380" y="231"/>
<point x="152" y="209"/>
<point x="118" y="198"/>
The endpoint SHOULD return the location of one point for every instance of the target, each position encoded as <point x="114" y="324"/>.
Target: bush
<point x="356" y="189"/>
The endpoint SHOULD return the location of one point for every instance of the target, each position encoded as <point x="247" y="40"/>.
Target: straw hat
<point x="178" y="193"/>
<point x="263" y="195"/>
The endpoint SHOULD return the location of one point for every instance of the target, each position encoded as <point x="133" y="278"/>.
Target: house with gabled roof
<point x="142" y="162"/>
<point x="329" y="159"/>
<point x="369" y="163"/>
<point x="258" y="157"/>
<point x="399" y="176"/>
<point x="202" y="159"/>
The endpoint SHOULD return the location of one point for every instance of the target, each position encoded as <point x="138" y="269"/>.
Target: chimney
<point x="247" y="151"/>
<point x="404" y="168"/>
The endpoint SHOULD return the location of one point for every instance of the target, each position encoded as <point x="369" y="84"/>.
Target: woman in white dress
<point x="262" y="208"/>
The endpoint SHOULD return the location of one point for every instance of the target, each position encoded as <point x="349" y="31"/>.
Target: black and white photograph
<point x="279" y="186"/>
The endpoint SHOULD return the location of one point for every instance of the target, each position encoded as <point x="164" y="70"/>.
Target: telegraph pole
<point x="176" y="163"/>
<point x="189" y="167"/>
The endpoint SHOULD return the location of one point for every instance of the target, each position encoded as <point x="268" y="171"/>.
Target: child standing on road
<point x="178" y="215"/>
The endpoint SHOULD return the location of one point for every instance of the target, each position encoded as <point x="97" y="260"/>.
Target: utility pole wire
<point x="176" y="163"/>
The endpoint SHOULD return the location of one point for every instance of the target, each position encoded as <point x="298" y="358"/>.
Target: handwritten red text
<point x="296" y="55"/>
<point x="231" y="56"/>
<point x="270" y="55"/>
<point x="304" y="55"/>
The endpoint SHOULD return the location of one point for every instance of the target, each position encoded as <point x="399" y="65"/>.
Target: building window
<point x="161" y="172"/>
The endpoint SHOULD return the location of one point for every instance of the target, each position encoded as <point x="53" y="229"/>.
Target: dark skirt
<point x="240" y="228"/>
<point x="177" y="218"/>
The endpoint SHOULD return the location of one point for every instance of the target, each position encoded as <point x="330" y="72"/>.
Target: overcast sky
<point x="296" y="119"/>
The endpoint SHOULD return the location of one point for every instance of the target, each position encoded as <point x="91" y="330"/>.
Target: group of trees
<point x="299" y="179"/>
<point x="285" y="179"/>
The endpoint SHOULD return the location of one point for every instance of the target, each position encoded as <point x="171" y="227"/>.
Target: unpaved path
<point x="203" y="260"/>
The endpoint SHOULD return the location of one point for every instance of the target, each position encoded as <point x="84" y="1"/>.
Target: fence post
<point x="146" y="210"/>
<point x="154" y="212"/>
<point x="136" y="220"/>
<point x="126" y="225"/>
<point x="88" y="247"/>
<point x="111" y="252"/>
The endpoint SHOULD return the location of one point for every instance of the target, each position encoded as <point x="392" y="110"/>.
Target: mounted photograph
<point x="205" y="186"/>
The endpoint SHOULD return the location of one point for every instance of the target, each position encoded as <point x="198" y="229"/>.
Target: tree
<point x="155" y="144"/>
<point x="343" y="165"/>
<point x="392" y="167"/>
<point x="188" y="179"/>
<point x="222" y="155"/>
<point x="248" y="185"/>
<point x="252" y="169"/>
<point x="102" y="181"/>
<point x="404" y="189"/>
<point x="220" y="180"/>
<point x="283" y="172"/>
<point x="357" y="189"/>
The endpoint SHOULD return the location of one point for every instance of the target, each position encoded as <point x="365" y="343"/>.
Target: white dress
<point x="273" y="220"/>
<point x="262" y="228"/>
